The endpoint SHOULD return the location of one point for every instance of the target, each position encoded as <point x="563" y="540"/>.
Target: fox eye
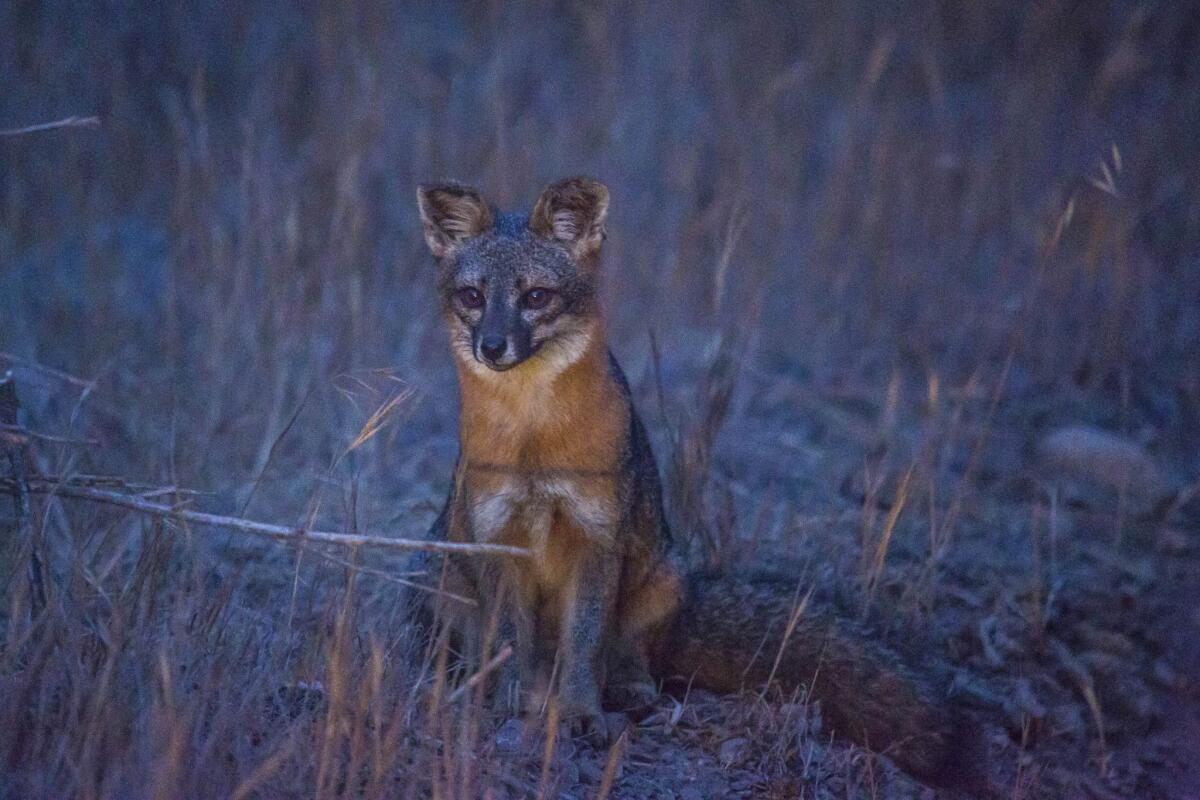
<point x="470" y="297"/>
<point x="536" y="298"/>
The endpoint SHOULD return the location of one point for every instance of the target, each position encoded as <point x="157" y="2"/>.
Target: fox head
<point x="516" y="289"/>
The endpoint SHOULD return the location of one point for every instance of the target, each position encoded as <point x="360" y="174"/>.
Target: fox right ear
<point x="451" y="214"/>
<point x="572" y="212"/>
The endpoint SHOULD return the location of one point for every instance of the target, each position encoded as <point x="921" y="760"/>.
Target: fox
<point x="554" y="458"/>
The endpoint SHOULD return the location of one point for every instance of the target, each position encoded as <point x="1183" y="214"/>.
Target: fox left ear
<point x="450" y="214"/>
<point x="572" y="211"/>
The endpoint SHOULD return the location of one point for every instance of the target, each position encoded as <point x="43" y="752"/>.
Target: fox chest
<point x="543" y="515"/>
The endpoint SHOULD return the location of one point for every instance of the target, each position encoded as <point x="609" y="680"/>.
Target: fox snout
<point x="500" y="340"/>
<point x="492" y="348"/>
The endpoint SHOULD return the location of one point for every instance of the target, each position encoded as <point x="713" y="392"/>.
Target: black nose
<point x="492" y="347"/>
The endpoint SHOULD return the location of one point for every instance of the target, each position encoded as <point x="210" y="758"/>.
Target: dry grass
<point x="861" y="260"/>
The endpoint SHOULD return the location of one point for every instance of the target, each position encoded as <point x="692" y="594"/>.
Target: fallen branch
<point x="33" y="366"/>
<point x="277" y="532"/>
<point x="142" y="490"/>
<point x="16" y="434"/>
<point x="66" y="122"/>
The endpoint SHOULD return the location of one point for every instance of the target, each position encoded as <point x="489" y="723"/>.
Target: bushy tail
<point x="729" y="632"/>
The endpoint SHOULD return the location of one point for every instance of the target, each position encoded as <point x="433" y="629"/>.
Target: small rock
<point x="1133" y="701"/>
<point x="1066" y="718"/>
<point x="1174" y="542"/>
<point x="301" y="697"/>
<point x="1027" y="701"/>
<point x="741" y="784"/>
<point x="1100" y="663"/>
<point x="1103" y="460"/>
<point x="616" y="722"/>
<point x="1069" y="663"/>
<point x="975" y="693"/>
<point x="1112" y="642"/>
<point x="995" y="642"/>
<point x="509" y="736"/>
<point x="1165" y="674"/>
<point x="590" y="771"/>
<point x="732" y="751"/>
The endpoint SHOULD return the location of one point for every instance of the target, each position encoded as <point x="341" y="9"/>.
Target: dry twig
<point x="265" y="529"/>
<point x="19" y="435"/>
<point x="65" y="122"/>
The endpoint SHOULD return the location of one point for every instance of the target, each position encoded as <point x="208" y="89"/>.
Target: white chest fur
<point x="532" y="504"/>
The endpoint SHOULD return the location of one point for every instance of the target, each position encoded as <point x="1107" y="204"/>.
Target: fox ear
<point x="451" y="214"/>
<point x="572" y="212"/>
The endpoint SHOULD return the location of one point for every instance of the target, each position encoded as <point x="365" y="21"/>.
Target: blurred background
<point x="890" y="182"/>
<point x="858" y="253"/>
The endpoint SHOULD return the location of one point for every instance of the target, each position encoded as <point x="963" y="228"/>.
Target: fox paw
<point x="597" y="728"/>
<point x="631" y="696"/>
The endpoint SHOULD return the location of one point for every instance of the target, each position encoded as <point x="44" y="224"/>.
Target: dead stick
<point x="66" y="122"/>
<point x="143" y="490"/>
<point x="279" y="532"/>
<point x="54" y="373"/>
<point x="20" y="435"/>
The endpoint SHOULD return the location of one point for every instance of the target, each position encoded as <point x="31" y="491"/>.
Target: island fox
<point x="554" y="458"/>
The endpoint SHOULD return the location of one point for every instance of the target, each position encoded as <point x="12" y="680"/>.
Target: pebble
<point x="590" y="771"/>
<point x="1165" y="674"/>
<point x="1066" y="718"/>
<point x="1103" y="459"/>
<point x="508" y="737"/>
<point x="1026" y="699"/>
<point x="732" y="751"/>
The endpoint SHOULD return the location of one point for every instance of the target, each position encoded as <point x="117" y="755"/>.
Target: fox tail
<point x="743" y="630"/>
